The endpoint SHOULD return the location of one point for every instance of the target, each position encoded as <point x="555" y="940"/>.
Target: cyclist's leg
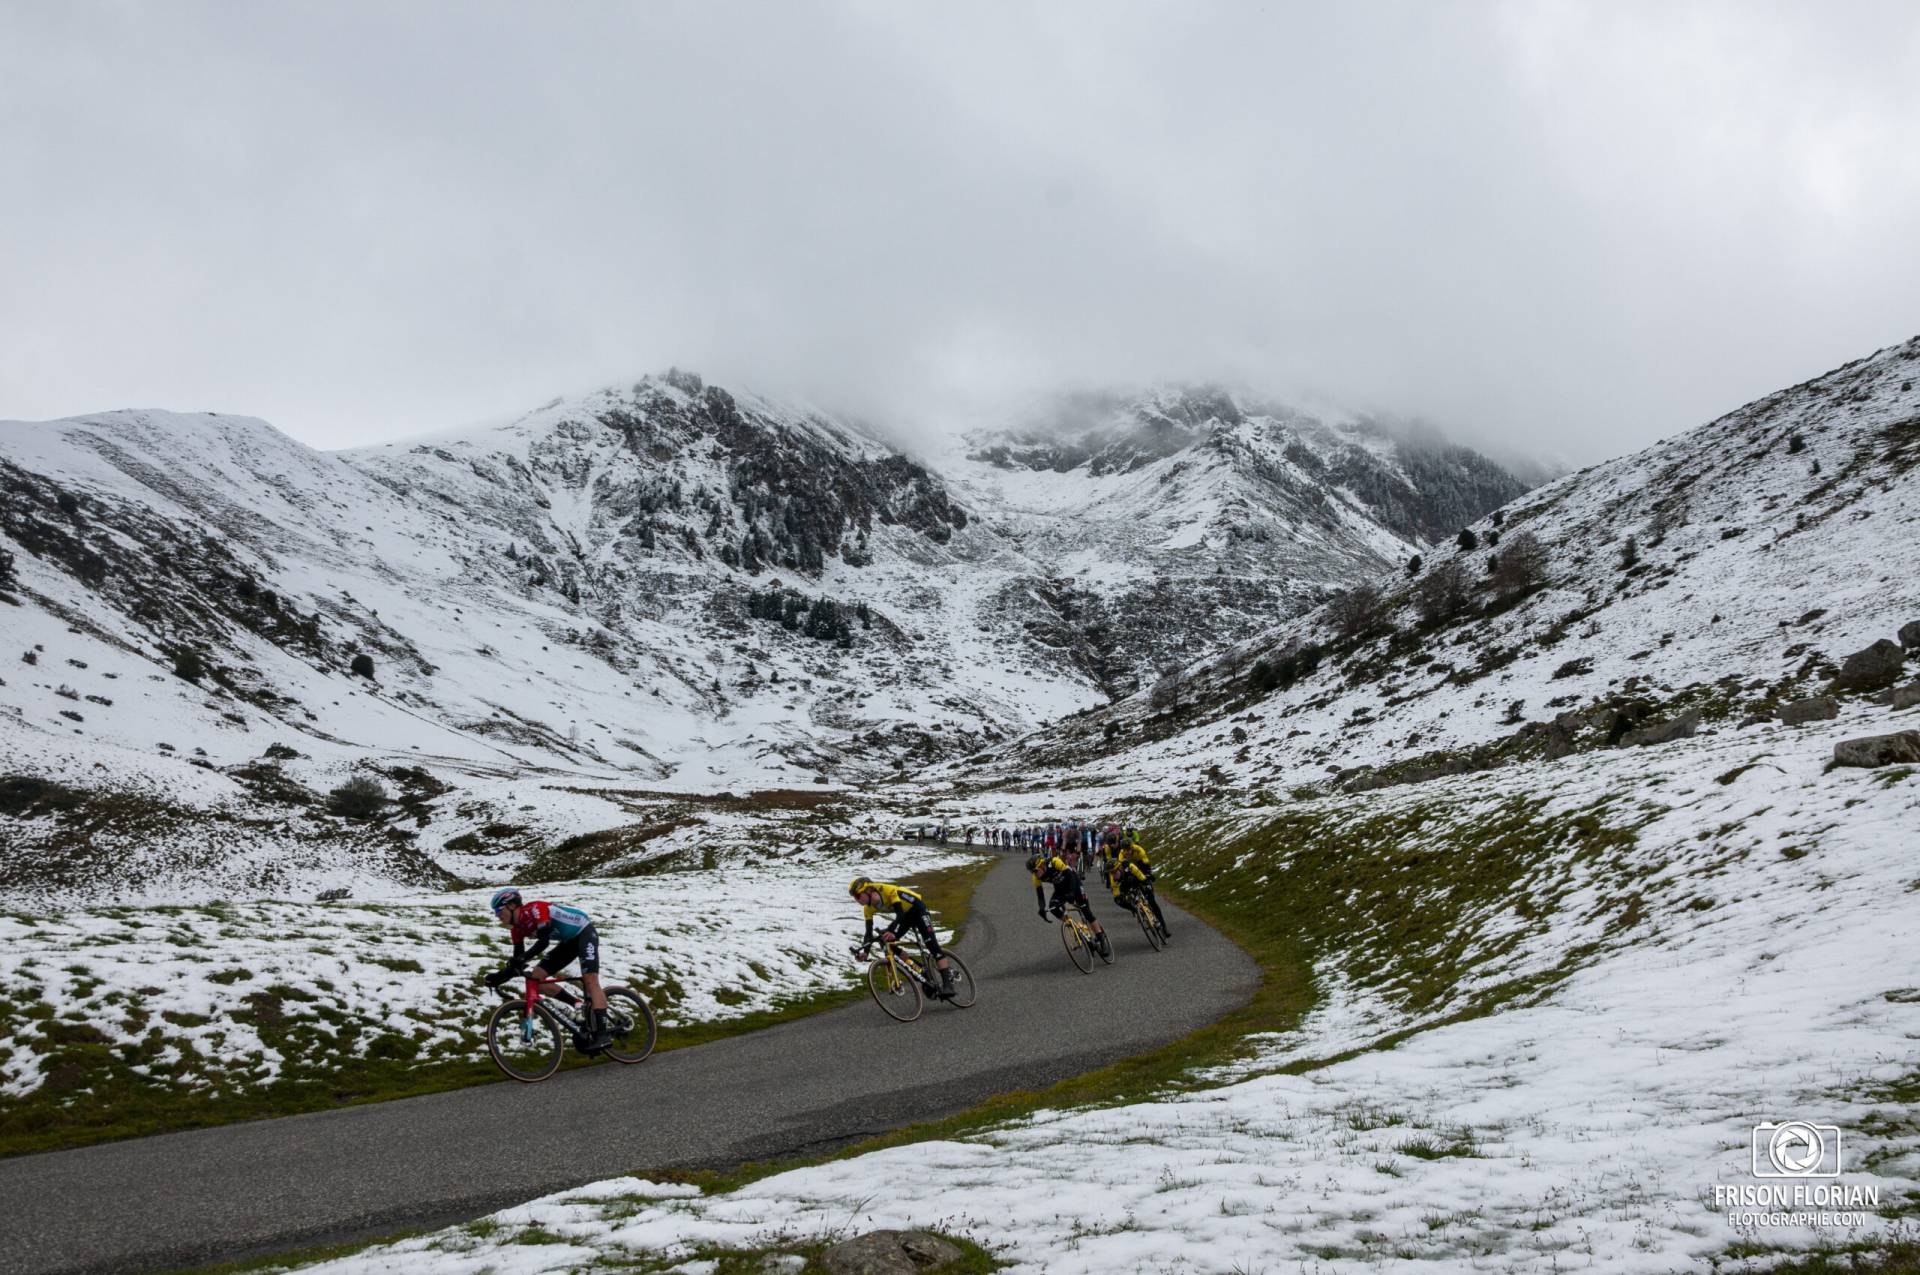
<point x="1086" y="910"/>
<point x="556" y="959"/>
<point x="1153" y="901"/>
<point x="920" y="921"/>
<point x="588" y="941"/>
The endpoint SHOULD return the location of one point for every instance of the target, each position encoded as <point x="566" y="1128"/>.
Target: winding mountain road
<point x="809" y="1085"/>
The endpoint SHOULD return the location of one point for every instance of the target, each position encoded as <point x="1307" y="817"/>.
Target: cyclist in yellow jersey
<point x="1067" y="891"/>
<point x="909" y="912"/>
<point x="1131" y="871"/>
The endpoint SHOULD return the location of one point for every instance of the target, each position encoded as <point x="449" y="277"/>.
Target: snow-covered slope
<point x="1705" y="581"/>
<point x="665" y="583"/>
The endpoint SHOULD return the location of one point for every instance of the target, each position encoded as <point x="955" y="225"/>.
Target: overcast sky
<point x="1568" y="228"/>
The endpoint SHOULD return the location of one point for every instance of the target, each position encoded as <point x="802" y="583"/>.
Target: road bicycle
<point x="527" y="1033"/>
<point x="903" y="976"/>
<point x="1081" y="942"/>
<point x="1149" y="924"/>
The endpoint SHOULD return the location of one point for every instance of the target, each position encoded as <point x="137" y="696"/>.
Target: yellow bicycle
<point x="903" y="976"/>
<point x="1081" y="942"/>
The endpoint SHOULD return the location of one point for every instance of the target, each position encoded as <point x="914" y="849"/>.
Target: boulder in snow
<point x="1870" y="670"/>
<point x="1681" y="727"/>
<point x="1902" y="748"/>
<point x="1815" y="708"/>
<point x="1910" y="635"/>
<point x="889" y="1253"/>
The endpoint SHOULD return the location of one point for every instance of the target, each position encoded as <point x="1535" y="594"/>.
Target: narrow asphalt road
<point x="809" y="1085"/>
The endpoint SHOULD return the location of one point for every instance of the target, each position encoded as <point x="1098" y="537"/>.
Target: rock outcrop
<point x="1902" y="748"/>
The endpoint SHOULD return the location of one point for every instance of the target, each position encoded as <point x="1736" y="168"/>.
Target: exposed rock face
<point x="890" y="1253"/>
<point x="1869" y="670"/>
<point x="1907" y="696"/>
<point x="1899" y="749"/>
<point x="1910" y="635"/>
<point x="1815" y="708"/>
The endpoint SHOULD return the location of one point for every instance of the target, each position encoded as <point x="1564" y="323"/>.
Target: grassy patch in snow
<point x="99" y="1090"/>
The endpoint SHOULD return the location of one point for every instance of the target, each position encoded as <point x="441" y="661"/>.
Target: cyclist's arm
<point x="541" y="937"/>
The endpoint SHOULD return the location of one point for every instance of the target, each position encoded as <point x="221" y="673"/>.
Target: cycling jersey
<point x="909" y="912"/>
<point x="1125" y="876"/>
<point x="546" y="923"/>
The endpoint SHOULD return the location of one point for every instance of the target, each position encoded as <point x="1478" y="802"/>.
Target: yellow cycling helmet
<point x="859" y="886"/>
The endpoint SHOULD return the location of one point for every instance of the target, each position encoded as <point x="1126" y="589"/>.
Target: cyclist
<point x="545" y="923"/>
<point x="909" y="912"/>
<point x="1067" y="889"/>
<point x="1129" y="872"/>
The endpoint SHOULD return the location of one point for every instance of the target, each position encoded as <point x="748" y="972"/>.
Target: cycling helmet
<point x="1038" y="864"/>
<point x="501" y="898"/>
<point x="859" y="886"/>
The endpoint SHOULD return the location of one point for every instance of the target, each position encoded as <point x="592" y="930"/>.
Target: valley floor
<point x="1553" y="1003"/>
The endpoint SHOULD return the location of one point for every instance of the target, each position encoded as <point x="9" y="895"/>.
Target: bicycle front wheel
<point x="524" y="1044"/>
<point x="894" y="990"/>
<point x="630" y="1020"/>
<point x="1077" y="951"/>
<point x="964" y="992"/>
<point x="1144" y="914"/>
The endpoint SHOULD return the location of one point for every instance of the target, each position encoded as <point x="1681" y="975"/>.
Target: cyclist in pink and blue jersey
<point x="572" y="930"/>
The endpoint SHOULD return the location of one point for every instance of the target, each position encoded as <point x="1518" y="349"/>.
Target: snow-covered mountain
<point x="665" y="584"/>
<point x="1700" y="585"/>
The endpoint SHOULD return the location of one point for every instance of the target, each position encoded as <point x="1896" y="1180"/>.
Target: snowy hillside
<point x="663" y="585"/>
<point x="1699" y="585"/>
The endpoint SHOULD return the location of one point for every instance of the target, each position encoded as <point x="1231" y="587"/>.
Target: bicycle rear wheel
<point x="630" y="1019"/>
<point x="1103" y="944"/>
<point x="894" y="990"/>
<point x="1144" y="914"/>
<point x="1077" y="951"/>
<point x="526" y="1045"/>
<point x="964" y="992"/>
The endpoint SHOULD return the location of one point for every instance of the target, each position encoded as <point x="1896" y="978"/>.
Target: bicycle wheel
<point x="630" y="1019"/>
<point x="527" y="1046"/>
<point x="964" y="992"/>
<point x="1144" y="914"/>
<point x="1103" y="944"/>
<point x="1076" y="946"/>
<point x="894" y="990"/>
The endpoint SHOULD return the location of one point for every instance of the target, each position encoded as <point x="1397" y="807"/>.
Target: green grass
<point x="94" y="1094"/>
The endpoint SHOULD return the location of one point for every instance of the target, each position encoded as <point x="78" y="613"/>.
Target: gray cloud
<point x="1566" y="229"/>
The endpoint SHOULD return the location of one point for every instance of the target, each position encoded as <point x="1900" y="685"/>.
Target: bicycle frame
<point x="904" y="962"/>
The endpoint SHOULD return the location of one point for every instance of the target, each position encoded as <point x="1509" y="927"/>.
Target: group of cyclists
<point x="1061" y="857"/>
<point x="1068" y="853"/>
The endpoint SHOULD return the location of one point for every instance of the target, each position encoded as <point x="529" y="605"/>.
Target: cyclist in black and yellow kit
<point x="909" y="912"/>
<point x="1067" y="889"/>
<point x="1132" y="872"/>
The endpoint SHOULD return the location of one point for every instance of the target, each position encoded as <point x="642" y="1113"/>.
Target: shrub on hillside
<point x="1522" y="567"/>
<point x="6" y="569"/>
<point x="361" y="797"/>
<point x="362" y="665"/>
<point x="1467" y="541"/>
<point x="1443" y="595"/>
<point x="1165" y="695"/>
<point x="1357" y="611"/>
<point x="1414" y="564"/>
<point x="188" y="665"/>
